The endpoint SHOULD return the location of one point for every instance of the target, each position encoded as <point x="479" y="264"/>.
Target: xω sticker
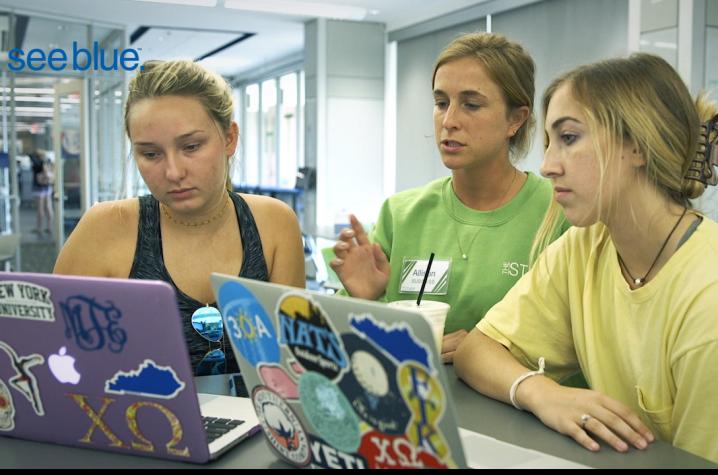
<point x="386" y="451"/>
<point x="26" y="301"/>
<point x="371" y="386"/>
<point x="24" y="380"/>
<point x="148" y="380"/>
<point x="310" y="337"/>
<point x="248" y="325"/>
<point x="7" y="409"/>
<point x="329" y="412"/>
<point x="281" y="426"/>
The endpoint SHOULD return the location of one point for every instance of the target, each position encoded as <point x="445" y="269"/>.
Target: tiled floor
<point x="37" y="250"/>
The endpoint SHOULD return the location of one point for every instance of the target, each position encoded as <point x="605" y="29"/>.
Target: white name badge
<point x="412" y="276"/>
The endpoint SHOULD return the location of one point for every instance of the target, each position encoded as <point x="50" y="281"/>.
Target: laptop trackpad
<point x="228" y="407"/>
<point x="486" y="452"/>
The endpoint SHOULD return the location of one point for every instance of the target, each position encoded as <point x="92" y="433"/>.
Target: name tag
<point x="412" y="276"/>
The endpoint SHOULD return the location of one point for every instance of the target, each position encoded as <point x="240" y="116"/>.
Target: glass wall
<point x="272" y="131"/>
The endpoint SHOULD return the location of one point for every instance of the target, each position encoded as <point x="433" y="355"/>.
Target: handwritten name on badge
<point x="412" y="276"/>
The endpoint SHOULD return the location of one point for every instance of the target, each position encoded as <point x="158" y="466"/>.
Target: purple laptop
<point x="103" y="364"/>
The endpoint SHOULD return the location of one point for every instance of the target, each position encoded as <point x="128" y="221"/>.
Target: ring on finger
<point x="584" y="419"/>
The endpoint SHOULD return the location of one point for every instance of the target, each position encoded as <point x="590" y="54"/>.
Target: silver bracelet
<point x="520" y="379"/>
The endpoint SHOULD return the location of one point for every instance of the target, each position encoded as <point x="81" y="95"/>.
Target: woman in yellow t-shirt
<point x="628" y="295"/>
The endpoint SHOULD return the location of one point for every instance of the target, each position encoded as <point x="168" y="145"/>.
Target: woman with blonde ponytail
<point x="629" y="294"/>
<point x="179" y="120"/>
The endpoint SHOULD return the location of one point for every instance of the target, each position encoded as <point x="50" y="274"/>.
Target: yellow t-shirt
<point x="655" y="348"/>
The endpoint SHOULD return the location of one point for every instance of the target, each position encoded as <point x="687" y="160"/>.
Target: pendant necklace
<point x="465" y="253"/>
<point x="640" y="281"/>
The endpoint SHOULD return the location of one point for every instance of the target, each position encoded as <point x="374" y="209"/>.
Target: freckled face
<point x="180" y="151"/>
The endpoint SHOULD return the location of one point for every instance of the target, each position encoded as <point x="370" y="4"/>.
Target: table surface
<point x="476" y="412"/>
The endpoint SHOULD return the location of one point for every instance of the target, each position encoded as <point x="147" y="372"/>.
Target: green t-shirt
<point x="414" y="223"/>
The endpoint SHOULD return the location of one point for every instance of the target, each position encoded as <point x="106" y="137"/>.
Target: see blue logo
<point x="79" y="59"/>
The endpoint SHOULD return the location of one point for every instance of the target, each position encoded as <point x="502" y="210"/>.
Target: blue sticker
<point x="148" y="380"/>
<point x="93" y="325"/>
<point x="309" y="335"/>
<point x="396" y="339"/>
<point x="248" y="325"/>
<point x="329" y="412"/>
<point x="281" y="425"/>
<point x="371" y="387"/>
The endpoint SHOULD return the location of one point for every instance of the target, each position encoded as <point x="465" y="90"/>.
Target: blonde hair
<point x="639" y="99"/>
<point x="509" y="66"/>
<point x="188" y="79"/>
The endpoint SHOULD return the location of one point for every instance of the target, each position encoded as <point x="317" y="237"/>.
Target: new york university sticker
<point x="412" y="276"/>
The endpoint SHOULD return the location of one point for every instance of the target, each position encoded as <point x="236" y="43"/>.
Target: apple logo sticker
<point x="62" y="367"/>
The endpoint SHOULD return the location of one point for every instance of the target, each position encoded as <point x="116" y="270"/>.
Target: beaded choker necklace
<point x="198" y="223"/>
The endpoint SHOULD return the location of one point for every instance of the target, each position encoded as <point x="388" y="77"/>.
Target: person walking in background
<point x="43" y="178"/>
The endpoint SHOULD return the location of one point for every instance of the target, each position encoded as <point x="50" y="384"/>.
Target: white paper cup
<point x="434" y="312"/>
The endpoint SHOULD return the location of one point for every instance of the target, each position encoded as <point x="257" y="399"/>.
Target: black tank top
<point x="149" y="264"/>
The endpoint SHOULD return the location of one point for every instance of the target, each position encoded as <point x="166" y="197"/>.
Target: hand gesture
<point x="361" y="266"/>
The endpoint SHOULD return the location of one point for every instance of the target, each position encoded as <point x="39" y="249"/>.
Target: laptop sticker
<point x="93" y="326"/>
<point x="149" y="380"/>
<point x="249" y="326"/>
<point x="371" y="387"/>
<point x="141" y="441"/>
<point x="388" y="451"/>
<point x="276" y="378"/>
<point x="425" y="397"/>
<point x="309" y="335"/>
<point x="329" y="412"/>
<point x="26" y="301"/>
<point x="62" y="367"/>
<point x="395" y="339"/>
<point x="7" y="409"/>
<point x="24" y="381"/>
<point x="326" y="456"/>
<point x="281" y="426"/>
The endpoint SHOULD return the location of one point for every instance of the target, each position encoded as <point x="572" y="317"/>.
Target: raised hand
<point x="362" y="266"/>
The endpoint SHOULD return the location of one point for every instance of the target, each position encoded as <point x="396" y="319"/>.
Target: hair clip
<point x="703" y="165"/>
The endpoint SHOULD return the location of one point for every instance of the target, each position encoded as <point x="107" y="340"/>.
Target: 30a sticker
<point x="149" y="380"/>
<point x="26" y="301"/>
<point x="24" y="380"/>
<point x="329" y="412"/>
<point x="309" y="335"/>
<point x="281" y="426"/>
<point x="248" y="325"/>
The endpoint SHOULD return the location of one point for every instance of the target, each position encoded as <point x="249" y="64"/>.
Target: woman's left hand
<point x="450" y="343"/>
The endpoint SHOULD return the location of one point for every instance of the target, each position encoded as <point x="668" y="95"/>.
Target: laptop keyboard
<point x="216" y="427"/>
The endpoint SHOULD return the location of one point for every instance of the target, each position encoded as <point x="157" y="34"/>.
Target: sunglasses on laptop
<point x="207" y="322"/>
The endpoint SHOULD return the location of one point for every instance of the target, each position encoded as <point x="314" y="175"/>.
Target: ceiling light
<point x="287" y="7"/>
<point x="195" y="3"/>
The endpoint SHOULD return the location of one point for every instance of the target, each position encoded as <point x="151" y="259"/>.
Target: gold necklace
<point x="198" y="223"/>
<point x="464" y="254"/>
